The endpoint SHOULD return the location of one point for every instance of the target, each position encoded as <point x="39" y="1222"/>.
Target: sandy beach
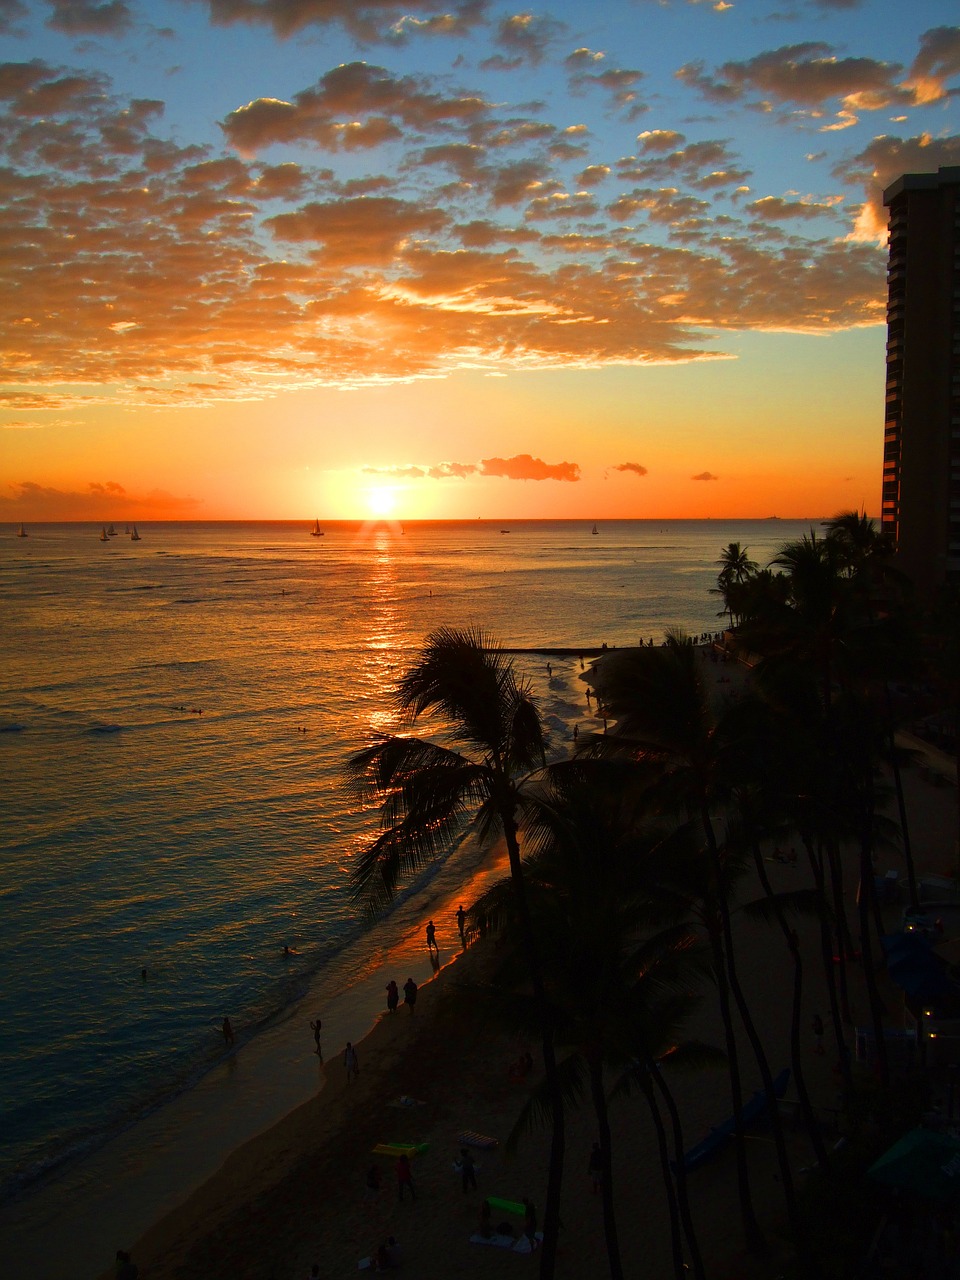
<point x="295" y="1193"/>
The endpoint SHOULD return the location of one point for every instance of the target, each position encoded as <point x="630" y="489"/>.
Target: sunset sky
<point x="286" y="258"/>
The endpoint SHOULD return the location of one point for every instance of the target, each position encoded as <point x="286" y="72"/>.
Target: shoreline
<point x="142" y="1173"/>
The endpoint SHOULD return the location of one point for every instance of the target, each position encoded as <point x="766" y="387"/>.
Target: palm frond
<point x="536" y="1112"/>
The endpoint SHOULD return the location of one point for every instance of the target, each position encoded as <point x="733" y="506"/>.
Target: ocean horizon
<point x="175" y="717"/>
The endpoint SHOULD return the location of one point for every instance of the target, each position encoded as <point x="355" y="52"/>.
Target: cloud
<point x="369" y="229"/>
<point x="705" y="475"/>
<point x="619" y="83"/>
<point x="880" y="163"/>
<point x="86" y="17"/>
<point x="354" y="106"/>
<point x="459" y="470"/>
<point x="525" y="38"/>
<point x="938" y="59"/>
<point x="705" y="165"/>
<point x="372" y="20"/>
<point x="101" y="500"/>
<point x="811" y="74"/>
<point x="136" y="271"/>
<point x="525" y="467"/>
<point x="395" y="473"/>
<point x="635" y="467"/>
<point x="775" y="208"/>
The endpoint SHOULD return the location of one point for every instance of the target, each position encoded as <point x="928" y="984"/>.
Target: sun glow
<point x="381" y="501"/>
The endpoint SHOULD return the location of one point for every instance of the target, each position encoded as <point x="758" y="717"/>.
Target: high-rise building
<point x="921" y="441"/>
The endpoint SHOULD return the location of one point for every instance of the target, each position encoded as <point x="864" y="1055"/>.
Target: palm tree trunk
<point x="676" y="1241"/>
<point x="776" y="1124"/>
<point x="683" y="1198"/>
<point x="868" y="894"/>
<point x="751" y="1228"/>
<point x="845" y="945"/>
<point x="551" y="1212"/>
<point x="796" y="1056"/>
<point x="829" y="971"/>
<point x="901" y="803"/>
<point x="599" y="1097"/>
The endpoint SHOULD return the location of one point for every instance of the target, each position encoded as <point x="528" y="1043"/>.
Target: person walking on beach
<point x="227" y="1031"/>
<point x="315" y="1028"/>
<point x="410" y="994"/>
<point x="468" y="1170"/>
<point x="432" y="937"/>
<point x="351" y="1062"/>
<point x="461" y="925"/>
<point x="405" y="1176"/>
<point x="393" y="996"/>
<point x="126" y="1267"/>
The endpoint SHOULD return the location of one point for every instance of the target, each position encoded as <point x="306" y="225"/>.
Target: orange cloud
<point x="705" y="475"/>
<point x="635" y="467"/>
<point x="100" y="501"/>
<point x="525" y="467"/>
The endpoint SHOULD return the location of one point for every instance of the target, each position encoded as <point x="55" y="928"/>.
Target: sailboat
<point x="316" y="531"/>
<point x="104" y="536"/>
<point x="21" y="532"/>
<point x="134" y="537"/>
<point x="595" y="530"/>
<point x="111" y="532"/>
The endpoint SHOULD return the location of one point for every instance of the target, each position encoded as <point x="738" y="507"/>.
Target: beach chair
<point x="469" y="1138"/>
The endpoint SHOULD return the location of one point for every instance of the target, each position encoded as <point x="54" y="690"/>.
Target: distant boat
<point x="594" y="530"/>
<point x="126" y="528"/>
<point x="134" y="537"/>
<point x="111" y="532"/>
<point x="21" y="532"/>
<point x="504" y="530"/>
<point x="104" y="536"/>
<point x="316" y="531"/>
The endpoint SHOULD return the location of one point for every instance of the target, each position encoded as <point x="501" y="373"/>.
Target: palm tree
<point x="736" y="568"/>
<point x="620" y="983"/>
<point x="666" y="717"/>
<point x="491" y="739"/>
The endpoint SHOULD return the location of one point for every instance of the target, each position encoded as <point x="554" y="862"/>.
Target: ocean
<point x="175" y="715"/>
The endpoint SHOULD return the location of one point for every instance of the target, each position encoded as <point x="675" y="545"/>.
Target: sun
<point x="381" y="501"/>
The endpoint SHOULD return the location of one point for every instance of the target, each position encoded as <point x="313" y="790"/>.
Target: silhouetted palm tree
<point x="621" y="985"/>
<point x="736" y="568"/>
<point x="490" y="738"/>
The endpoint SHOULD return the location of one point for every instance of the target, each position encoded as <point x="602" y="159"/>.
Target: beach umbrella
<point x="923" y="1163"/>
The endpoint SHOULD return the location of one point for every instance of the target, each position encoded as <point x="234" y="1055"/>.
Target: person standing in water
<point x="432" y="936"/>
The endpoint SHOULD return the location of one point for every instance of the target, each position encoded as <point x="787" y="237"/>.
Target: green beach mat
<point x="507" y="1206"/>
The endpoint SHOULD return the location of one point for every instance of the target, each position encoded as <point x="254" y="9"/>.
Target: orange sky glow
<point x="279" y="259"/>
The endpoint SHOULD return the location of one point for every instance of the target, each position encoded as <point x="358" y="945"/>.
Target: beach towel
<point x="498" y="1240"/>
<point x="469" y="1138"/>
